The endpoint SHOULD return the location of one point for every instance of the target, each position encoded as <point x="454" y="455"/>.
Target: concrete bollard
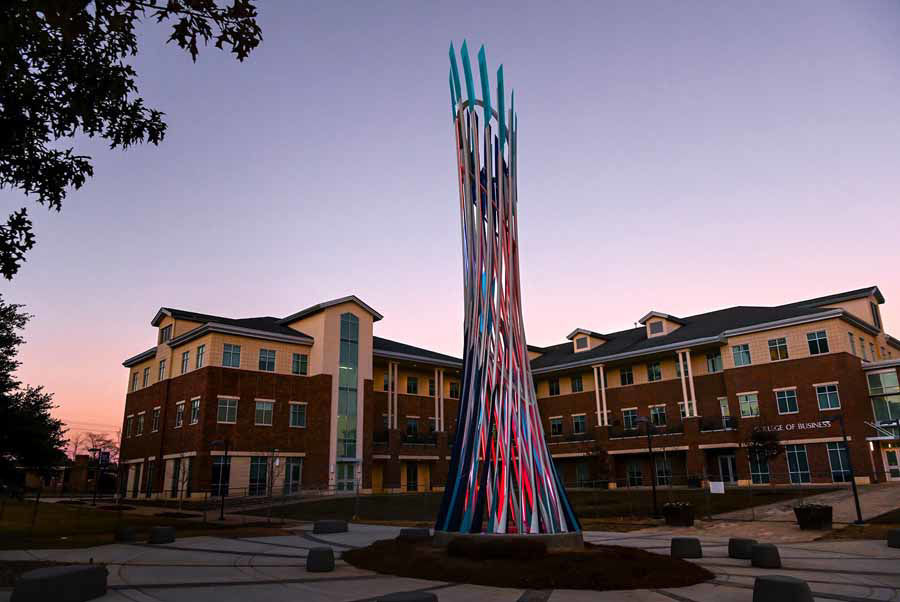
<point x="162" y="535"/>
<point x="741" y="548"/>
<point x="74" y="583"/>
<point x="686" y="547"/>
<point x="126" y="534"/>
<point x="765" y="556"/>
<point x="893" y="538"/>
<point x="408" y="597"/>
<point x="321" y="527"/>
<point x="320" y="560"/>
<point x="779" y="588"/>
<point x="414" y="534"/>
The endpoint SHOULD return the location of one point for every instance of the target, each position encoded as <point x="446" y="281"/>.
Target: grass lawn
<point x="72" y="526"/>
<point x="875" y="528"/>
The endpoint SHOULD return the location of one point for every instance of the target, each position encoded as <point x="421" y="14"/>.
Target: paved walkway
<point x="213" y="569"/>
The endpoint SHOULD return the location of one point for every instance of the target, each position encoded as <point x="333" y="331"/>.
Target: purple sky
<point x="673" y="156"/>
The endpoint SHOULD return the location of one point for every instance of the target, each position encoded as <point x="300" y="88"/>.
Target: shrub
<point x="489" y="546"/>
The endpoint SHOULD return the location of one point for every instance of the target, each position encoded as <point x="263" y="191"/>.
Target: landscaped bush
<point x="813" y="516"/>
<point x="478" y="548"/>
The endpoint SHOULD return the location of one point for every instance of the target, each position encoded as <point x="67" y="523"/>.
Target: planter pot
<point x="679" y="516"/>
<point x="813" y="517"/>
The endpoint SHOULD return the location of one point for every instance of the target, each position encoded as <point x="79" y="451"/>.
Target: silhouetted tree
<point x="64" y="70"/>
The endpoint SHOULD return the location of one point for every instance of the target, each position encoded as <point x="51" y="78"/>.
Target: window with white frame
<point x="134" y="381"/>
<point x="629" y="418"/>
<point x="201" y="356"/>
<point x="839" y="462"/>
<point x="581" y="343"/>
<point x="786" y="399"/>
<point x="876" y="316"/>
<point x="759" y="470"/>
<point x="162" y="370"/>
<point x="577" y="384"/>
<point x="656" y="327"/>
<point x="658" y="415"/>
<point x="147" y="376"/>
<point x="298" y="415"/>
<point x="432" y="387"/>
<point x="140" y="424"/>
<point x="872" y="351"/>
<point x="749" y="403"/>
<point x="195" y="410"/>
<point x="179" y="414"/>
<point x="554" y="386"/>
<point x="231" y="356"/>
<point x="386" y="381"/>
<point x="817" y="341"/>
<point x="626" y="376"/>
<point x="165" y="333"/>
<point x="412" y="385"/>
<point x="741" y="354"/>
<point x="883" y="383"/>
<point x="778" y="349"/>
<point x="723" y="407"/>
<point x="267" y="360"/>
<point x="798" y="463"/>
<point x="579" y="424"/>
<point x="828" y="396"/>
<point x="714" y="361"/>
<point x="852" y="343"/>
<point x="185" y="362"/>
<point x="454" y="389"/>
<point x="681" y="366"/>
<point x="300" y="364"/>
<point x="682" y="410"/>
<point x="154" y="420"/>
<point x="862" y="348"/>
<point x="264" y="411"/>
<point x="663" y="470"/>
<point x="227" y="413"/>
<point x="129" y="425"/>
<point x="633" y="474"/>
<point x="654" y="371"/>
<point x="556" y="426"/>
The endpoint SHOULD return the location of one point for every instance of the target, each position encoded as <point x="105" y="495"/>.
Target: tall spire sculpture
<point x="501" y="470"/>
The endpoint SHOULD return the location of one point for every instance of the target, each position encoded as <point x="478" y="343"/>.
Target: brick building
<point x="315" y="400"/>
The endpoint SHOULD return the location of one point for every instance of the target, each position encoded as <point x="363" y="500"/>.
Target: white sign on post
<point x="717" y="487"/>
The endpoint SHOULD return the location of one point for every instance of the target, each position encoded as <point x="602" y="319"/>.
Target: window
<point x="201" y="354"/>
<point x="231" y="356"/>
<point x="176" y="473"/>
<point x="432" y="424"/>
<point x="348" y="362"/>
<point x="556" y="427"/>
<point x="723" y="407"/>
<point x="682" y="411"/>
<point x="412" y="385"/>
<point x="162" y="370"/>
<point x="221" y="475"/>
<point x="798" y="464"/>
<point x="298" y="415"/>
<point x="862" y="348"/>
<point x="876" y="317"/>
<point x="454" y="390"/>
<point x="134" y="381"/>
<point x="140" y="424"/>
<point x="629" y="419"/>
<point x="259" y="472"/>
<point x="872" y="350"/>
<point x="581" y="343"/>
<point x="741" y="355"/>
<point x="882" y="352"/>
<point x="293" y="472"/>
<point x="828" y="397"/>
<point x="839" y="461"/>
<point x="787" y="401"/>
<point x="852" y="343"/>
<point x="759" y="470"/>
<point x="267" y="360"/>
<point x="412" y="426"/>
<point x="818" y="342"/>
<point x="432" y="387"/>
<point x="634" y="475"/>
<point x="663" y="471"/>
<point x="165" y="333"/>
<point x="553" y="385"/>
<point x="714" y="361"/>
<point x="749" y="403"/>
<point x="227" y="411"/>
<point x="626" y="376"/>
<point x="577" y="384"/>
<point x="154" y="420"/>
<point x="146" y="376"/>
<point x="300" y="364"/>
<point x="656" y="327"/>
<point x="195" y="411"/>
<point x="179" y="414"/>
<point x="387" y="381"/>
<point x="578" y="424"/>
<point x="654" y="372"/>
<point x="681" y="366"/>
<point x="263" y="415"/>
<point x="883" y="383"/>
<point x="658" y="415"/>
<point x="129" y="425"/>
<point x="185" y="361"/>
<point x="582" y="474"/>
<point x="778" y="349"/>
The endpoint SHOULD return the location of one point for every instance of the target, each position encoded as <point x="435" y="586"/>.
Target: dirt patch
<point x="596" y="567"/>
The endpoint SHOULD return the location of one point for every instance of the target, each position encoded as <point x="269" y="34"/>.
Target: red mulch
<point x="595" y="567"/>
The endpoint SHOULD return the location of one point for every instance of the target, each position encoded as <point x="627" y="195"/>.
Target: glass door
<point x="892" y="463"/>
<point x="727" y="469"/>
<point x="412" y="476"/>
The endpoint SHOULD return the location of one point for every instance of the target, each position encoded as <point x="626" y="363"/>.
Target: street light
<point x="96" y="452"/>
<point x="840" y="419"/>
<point x="649" y="426"/>
<point x="224" y="443"/>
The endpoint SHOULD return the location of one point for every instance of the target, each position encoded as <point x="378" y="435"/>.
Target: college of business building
<point x="314" y="400"/>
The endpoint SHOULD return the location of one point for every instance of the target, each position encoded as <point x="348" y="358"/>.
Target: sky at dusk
<point x="675" y="156"/>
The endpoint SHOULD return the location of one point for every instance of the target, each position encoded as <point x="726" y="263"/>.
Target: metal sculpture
<point x="501" y="469"/>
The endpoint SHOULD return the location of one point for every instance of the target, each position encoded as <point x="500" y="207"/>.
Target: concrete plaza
<point x="214" y="569"/>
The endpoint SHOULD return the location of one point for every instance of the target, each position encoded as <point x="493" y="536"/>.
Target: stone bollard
<point x="412" y="535"/>
<point x="741" y="548"/>
<point x="765" y="556"/>
<point x="686" y="547"/>
<point x="162" y="535"/>
<point x="408" y="597"/>
<point x="893" y="538"/>
<point x="126" y="534"/>
<point x="74" y="583"/>
<point x="320" y="560"/>
<point x="321" y="527"/>
<point x="779" y="588"/>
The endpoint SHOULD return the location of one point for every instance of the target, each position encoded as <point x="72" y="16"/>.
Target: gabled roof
<point x="395" y="350"/>
<point x="326" y="304"/>
<point x="659" y="314"/>
<point x="263" y="323"/>
<point x="589" y="333"/>
<point x="859" y="293"/>
<point x="140" y="357"/>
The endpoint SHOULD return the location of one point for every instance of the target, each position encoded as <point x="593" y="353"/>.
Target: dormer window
<point x="656" y="327"/>
<point x="165" y="333"/>
<point x="581" y="343"/>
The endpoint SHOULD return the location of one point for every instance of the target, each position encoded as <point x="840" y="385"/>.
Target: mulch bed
<point x="10" y="569"/>
<point x="596" y="567"/>
<point x="175" y="515"/>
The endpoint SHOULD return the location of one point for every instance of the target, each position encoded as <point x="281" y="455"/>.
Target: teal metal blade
<point x="485" y="85"/>
<point x="467" y="69"/>
<point x="454" y="73"/>
<point x="501" y="108"/>
<point x="452" y="99"/>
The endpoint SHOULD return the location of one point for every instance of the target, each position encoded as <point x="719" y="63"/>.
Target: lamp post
<point x="840" y="419"/>
<point x="224" y="444"/>
<point x="95" y="451"/>
<point x="649" y="427"/>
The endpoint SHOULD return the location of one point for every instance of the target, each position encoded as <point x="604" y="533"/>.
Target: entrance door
<point x="293" y="474"/>
<point x="892" y="463"/>
<point x="727" y="468"/>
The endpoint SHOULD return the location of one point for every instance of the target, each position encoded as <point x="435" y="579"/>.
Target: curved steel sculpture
<point x="501" y="469"/>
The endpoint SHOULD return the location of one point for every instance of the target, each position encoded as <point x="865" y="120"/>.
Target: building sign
<point x="795" y="426"/>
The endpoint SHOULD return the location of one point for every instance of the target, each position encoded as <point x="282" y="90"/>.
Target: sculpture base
<point x="554" y="541"/>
